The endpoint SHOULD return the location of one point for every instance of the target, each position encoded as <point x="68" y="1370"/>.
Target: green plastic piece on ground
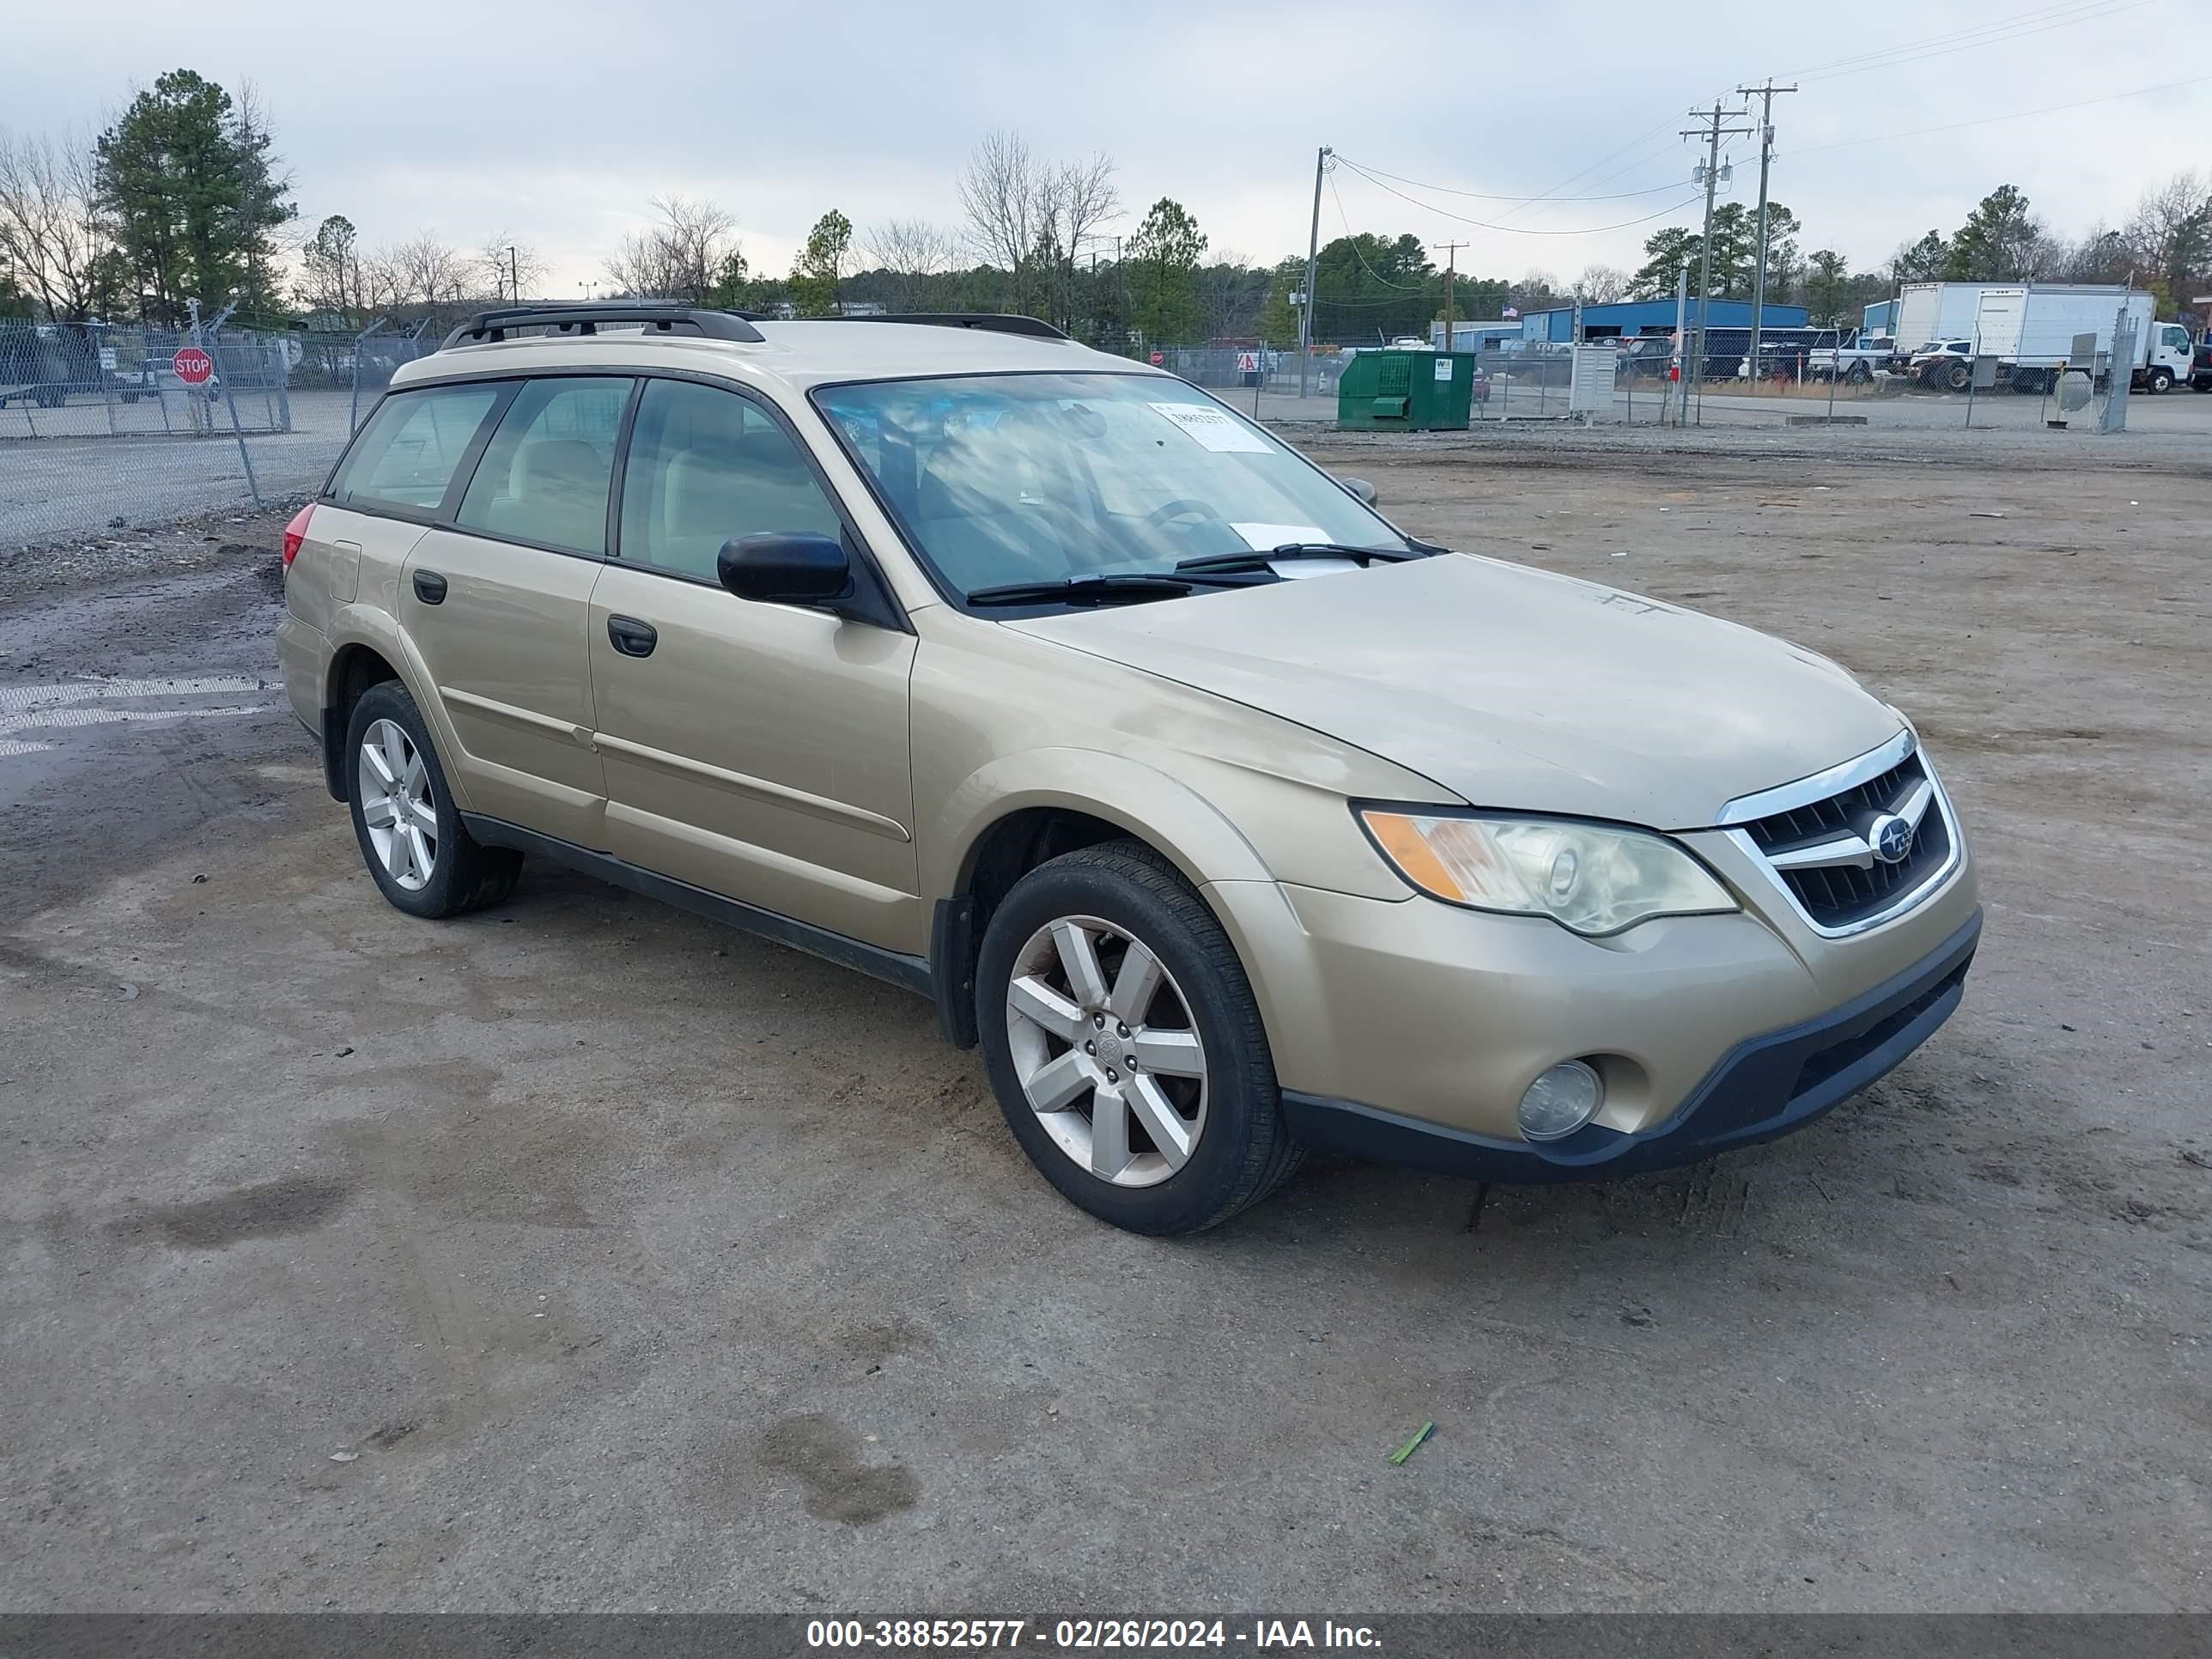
<point x="1411" y="1446"/>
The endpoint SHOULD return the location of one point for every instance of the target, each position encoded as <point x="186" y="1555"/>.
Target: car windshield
<point x="1012" y="479"/>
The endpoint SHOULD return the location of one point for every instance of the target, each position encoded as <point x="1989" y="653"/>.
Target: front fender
<point x="1192" y="834"/>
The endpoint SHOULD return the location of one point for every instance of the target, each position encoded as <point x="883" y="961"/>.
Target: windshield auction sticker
<point x="1216" y="428"/>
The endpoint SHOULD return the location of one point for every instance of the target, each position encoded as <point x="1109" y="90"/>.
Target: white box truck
<point x="2031" y="330"/>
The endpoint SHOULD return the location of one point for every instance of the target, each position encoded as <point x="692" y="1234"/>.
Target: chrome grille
<point x="1821" y="850"/>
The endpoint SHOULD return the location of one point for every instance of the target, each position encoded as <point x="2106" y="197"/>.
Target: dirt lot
<point x="580" y="1254"/>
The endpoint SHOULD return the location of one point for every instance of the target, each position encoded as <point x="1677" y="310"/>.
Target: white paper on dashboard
<point x="1261" y="537"/>
<point x="1216" y="428"/>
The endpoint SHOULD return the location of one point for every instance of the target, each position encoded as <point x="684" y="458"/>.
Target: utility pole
<point x="1765" y="95"/>
<point x="1712" y="132"/>
<point x="1451" y="270"/>
<point x="1313" y="259"/>
<point x="514" y="272"/>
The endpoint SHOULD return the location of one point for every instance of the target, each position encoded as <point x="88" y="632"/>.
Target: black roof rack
<point x="994" y="322"/>
<point x="657" y="317"/>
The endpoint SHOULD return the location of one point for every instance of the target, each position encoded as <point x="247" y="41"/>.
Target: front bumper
<point x="1764" y="1087"/>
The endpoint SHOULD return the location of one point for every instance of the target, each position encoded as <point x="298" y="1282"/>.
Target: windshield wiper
<point x="1084" y="590"/>
<point x="1257" y="560"/>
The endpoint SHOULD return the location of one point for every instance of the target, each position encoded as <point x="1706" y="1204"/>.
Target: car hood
<point x="1509" y="687"/>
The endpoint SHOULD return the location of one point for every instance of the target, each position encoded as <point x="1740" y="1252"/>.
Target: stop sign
<point x="1159" y="358"/>
<point x="193" y="366"/>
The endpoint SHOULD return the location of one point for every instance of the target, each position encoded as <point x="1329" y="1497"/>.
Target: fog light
<point x="1561" y="1101"/>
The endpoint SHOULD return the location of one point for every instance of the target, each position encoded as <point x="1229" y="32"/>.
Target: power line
<point x="1486" y="196"/>
<point x="2029" y="22"/>
<point x="1519" y="230"/>
<point x="1984" y="120"/>
<point x="1354" y="241"/>
<point x="1636" y="142"/>
<point x="1966" y="39"/>
<point x="1902" y="59"/>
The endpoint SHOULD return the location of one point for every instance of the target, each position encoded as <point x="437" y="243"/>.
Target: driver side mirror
<point x="786" y="567"/>
<point x="1359" y="489"/>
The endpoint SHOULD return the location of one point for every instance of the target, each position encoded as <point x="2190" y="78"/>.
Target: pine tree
<point x="816" y="273"/>
<point x="187" y="178"/>
<point x="1164" y="257"/>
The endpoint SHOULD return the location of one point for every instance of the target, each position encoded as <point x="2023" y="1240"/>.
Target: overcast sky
<point x="553" y="122"/>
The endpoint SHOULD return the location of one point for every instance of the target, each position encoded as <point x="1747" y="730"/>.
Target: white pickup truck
<point x="1857" y="358"/>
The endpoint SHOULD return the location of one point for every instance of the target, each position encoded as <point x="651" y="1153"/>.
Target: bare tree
<point x="915" y="253"/>
<point x="509" y="266"/>
<point x="1085" y="198"/>
<point x="1002" y="192"/>
<point x="1601" y="285"/>
<point x="2170" y="235"/>
<point x="1030" y="217"/>
<point x="685" y="257"/>
<point x="50" y="230"/>
<point x="265" y="202"/>
<point x="1229" y="290"/>
<point x="423" y="271"/>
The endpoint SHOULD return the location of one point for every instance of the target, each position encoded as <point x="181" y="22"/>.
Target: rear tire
<point x="1958" y="377"/>
<point x="1163" y="982"/>
<point x="421" y="856"/>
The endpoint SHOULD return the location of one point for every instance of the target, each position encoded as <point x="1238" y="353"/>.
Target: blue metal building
<point x="1632" y="317"/>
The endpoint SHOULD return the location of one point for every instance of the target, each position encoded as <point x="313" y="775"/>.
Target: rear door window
<point x="405" y="456"/>
<point x="545" y="475"/>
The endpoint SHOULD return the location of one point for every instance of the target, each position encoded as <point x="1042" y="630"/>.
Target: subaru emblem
<point x="1891" y="837"/>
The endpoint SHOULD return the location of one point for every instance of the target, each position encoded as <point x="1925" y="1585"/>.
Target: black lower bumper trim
<point x="1764" y="1087"/>
<point x="908" y="973"/>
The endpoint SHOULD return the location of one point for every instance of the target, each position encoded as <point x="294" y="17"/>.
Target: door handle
<point x="631" y="637"/>
<point x="429" y="587"/>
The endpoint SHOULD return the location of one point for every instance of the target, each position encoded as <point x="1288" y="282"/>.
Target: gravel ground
<point x="73" y="488"/>
<point x="581" y="1255"/>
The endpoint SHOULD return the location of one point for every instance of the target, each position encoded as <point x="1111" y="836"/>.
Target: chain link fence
<point x="109" y="428"/>
<point x="1801" y="377"/>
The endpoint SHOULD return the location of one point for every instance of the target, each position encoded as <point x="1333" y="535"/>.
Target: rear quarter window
<point x="406" y="455"/>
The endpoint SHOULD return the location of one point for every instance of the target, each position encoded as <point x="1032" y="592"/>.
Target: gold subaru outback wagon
<point x="1228" y="818"/>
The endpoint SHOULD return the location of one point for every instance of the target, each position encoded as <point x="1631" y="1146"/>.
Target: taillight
<point x="295" y="532"/>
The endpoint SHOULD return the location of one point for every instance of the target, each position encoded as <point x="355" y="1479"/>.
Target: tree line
<point x="183" y="197"/>
<point x="2165" y="248"/>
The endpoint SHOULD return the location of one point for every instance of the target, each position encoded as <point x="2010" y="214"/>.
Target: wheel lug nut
<point x="1090" y="1048"/>
<point x="1099" y="1020"/>
<point x="1110" y="1077"/>
<point x="1123" y="1030"/>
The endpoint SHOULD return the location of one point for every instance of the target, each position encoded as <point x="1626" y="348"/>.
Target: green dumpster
<point x="1406" y="392"/>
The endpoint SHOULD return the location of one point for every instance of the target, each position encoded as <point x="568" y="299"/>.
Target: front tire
<point x="2160" y="380"/>
<point x="1122" y="1040"/>
<point x="411" y="836"/>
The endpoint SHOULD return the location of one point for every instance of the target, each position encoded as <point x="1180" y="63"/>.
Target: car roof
<point x="795" y="355"/>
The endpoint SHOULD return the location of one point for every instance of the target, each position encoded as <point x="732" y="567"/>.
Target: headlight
<point x="1588" y="877"/>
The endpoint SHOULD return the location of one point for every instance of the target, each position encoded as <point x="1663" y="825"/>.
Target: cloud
<point x="555" y="122"/>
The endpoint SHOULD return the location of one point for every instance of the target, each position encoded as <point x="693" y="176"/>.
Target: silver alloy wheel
<point x="396" y="805"/>
<point x="1107" y="1050"/>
